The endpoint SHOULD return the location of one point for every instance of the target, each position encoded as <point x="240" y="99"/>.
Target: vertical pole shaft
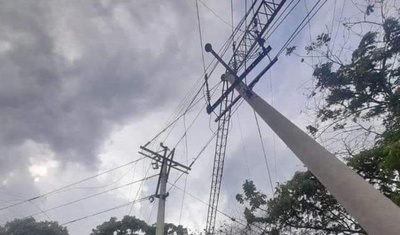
<point x="161" y="200"/>
<point x="375" y="212"/>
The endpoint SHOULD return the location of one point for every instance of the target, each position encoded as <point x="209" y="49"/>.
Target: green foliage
<point x="173" y="229"/>
<point x="303" y="204"/>
<point x="367" y="86"/>
<point x="370" y="9"/>
<point x="254" y="198"/>
<point x="290" y="50"/>
<point x="391" y="149"/>
<point x="29" y="226"/>
<point x="322" y="40"/>
<point x="130" y="225"/>
<point x="380" y="165"/>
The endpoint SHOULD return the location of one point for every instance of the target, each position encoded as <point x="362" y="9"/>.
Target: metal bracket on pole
<point x="260" y="57"/>
<point x="238" y="79"/>
<point x="166" y="160"/>
<point x="159" y="158"/>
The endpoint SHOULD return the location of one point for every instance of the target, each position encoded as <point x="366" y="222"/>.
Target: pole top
<point x="208" y="47"/>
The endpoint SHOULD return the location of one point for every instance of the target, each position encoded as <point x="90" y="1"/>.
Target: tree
<point x="303" y="203"/>
<point x="300" y="205"/>
<point x="129" y="225"/>
<point x="380" y="165"/>
<point x="366" y="87"/>
<point x="363" y="94"/>
<point x="355" y="94"/>
<point x="29" y="226"/>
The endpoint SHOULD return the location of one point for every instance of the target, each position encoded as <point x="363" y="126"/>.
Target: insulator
<point x="207" y="89"/>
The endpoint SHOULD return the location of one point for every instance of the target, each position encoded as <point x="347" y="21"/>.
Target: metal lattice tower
<point x="219" y="158"/>
<point x="250" y="48"/>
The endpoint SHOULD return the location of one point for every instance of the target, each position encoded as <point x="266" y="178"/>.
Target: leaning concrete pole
<point x="375" y="212"/>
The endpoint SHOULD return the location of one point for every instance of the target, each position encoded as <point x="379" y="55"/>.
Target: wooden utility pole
<point x="167" y="162"/>
<point x="375" y="212"/>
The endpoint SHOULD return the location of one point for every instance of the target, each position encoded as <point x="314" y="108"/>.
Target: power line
<point x="183" y="199"/>
<point x="70" y="185"/>
<point x="237" y="220"/>
<point x="191" y="105"/>
<point x="302" y="24"/>
<point x="275" y="22"/>
<point x="106" y="185"/>
<point x="205" y="203"/>
<point x="105" y="211"/>
<point x="338" y="25"/>
<point x="309" y="34"/>
<point x="41" y="211"/>
<point x="244" y="147"/>
<point x="215" y="14"/>
<point x="195" y="159"/>
<point x="212" y="66"/>
<point x="272" y="133"/>
<point x="191" y="124"/>
<point x="130" y="188"/>
<point x="222" y="51"/>
<point x="200" y="35"/>
<point x="91" y="196"/>
<point x="140" y="188"/>
<point x="187" y="162"/>
<point x="265" y="155"/>
<point x="232" y="15"/>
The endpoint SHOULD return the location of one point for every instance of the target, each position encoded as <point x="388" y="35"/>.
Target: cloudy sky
<point x="85" y="83"/>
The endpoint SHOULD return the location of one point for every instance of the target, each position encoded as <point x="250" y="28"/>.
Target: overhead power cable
<point x="105" y="211"/>
<point x="180" y="111"/>
<point x="70" y="185"/>
<point x="140" y="188"/>
<point x="244" y="147"/>
<point x="237" y="220"/>
<point x="205" y="203"/>
<point x="195" y="159"/>
<point x="302" y="24"/>
<point x="200" y="35"/>
<point x="265" y="155"/>
<point x="221" y="52"/>
<point x="91" y="196"/>
<point x="272" y="29"/>
<point x="214" y="13"/>
<point x="338" y="24"/>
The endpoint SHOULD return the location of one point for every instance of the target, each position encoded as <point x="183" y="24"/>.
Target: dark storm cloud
<point x="71" y="71"/>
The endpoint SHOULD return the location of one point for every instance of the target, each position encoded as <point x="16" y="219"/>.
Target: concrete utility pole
<point x="161" y="198"/>
<point x="375" y="212"/>
<point x="167" y="163"/>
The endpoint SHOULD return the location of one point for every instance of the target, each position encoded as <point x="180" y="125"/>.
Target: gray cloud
<point x="73" y="73"/>
<point x="70" y="74"/>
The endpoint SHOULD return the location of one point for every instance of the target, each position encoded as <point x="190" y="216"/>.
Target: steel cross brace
<point x="164" y="159"/>
<point x="208" y="48"/>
